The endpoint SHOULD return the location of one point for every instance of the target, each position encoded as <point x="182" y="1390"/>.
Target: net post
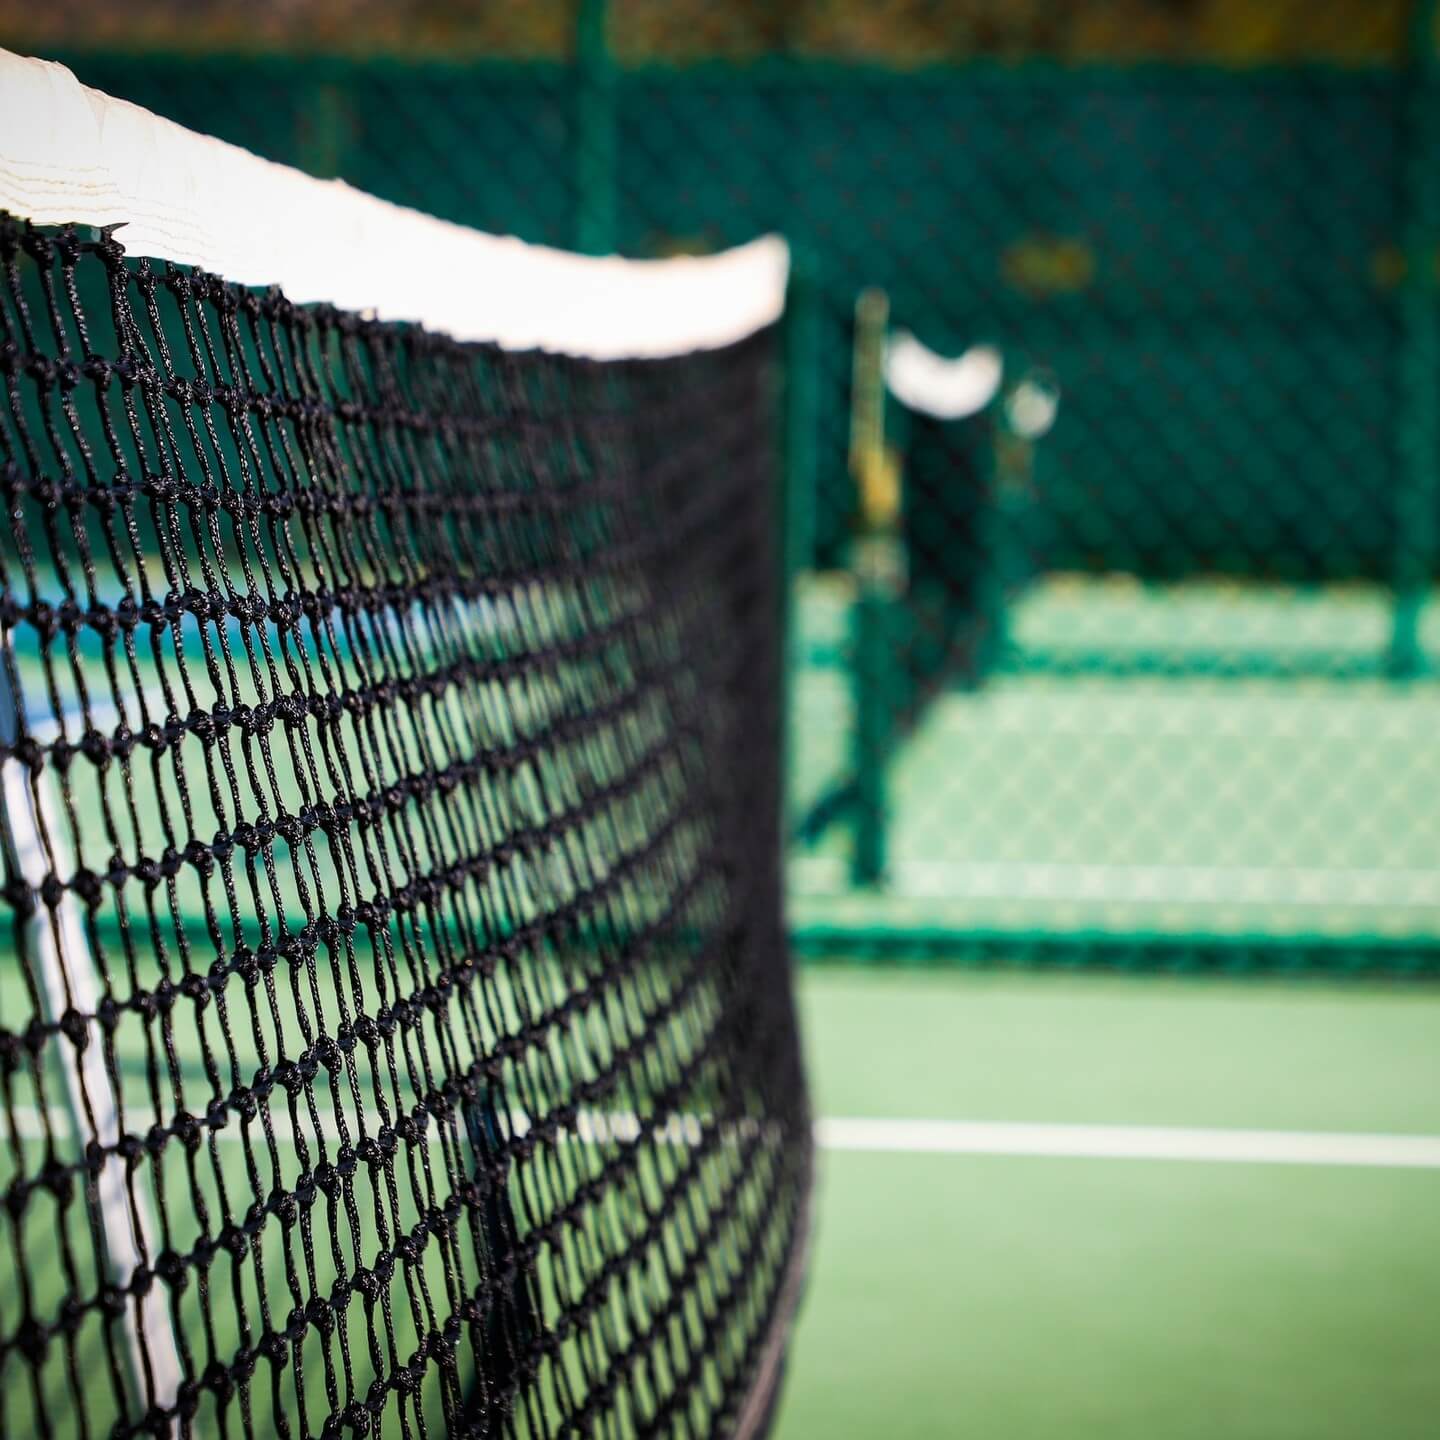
<point x="878" y="567"/>
<point x="871" y="671"/>
<point x="1028" y="411"/>
<point x="33" y="850"/>
<point x="595" y="130"/>
<point x="1014" y="439"/>
<point x="1419" y="431"/>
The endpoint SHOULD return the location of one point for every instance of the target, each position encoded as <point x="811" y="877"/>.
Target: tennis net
<point x="395" y="1024"/>
<point x="947" y="437"/>
<point x="943" y="458"/>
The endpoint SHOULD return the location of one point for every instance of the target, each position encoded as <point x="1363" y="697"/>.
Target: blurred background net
<point x="1200" y="730"/>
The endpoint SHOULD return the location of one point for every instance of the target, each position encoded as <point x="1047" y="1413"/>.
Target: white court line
<point x="67" y="980"/>
<point x="1207" y="718"/>
<point x="1131" y="1142"/>
<point x="591" y="1126"/>
<point x="1136" y="884"/>
<point x="966" y="1137"/>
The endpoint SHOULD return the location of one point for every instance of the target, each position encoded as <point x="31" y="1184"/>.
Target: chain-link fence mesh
<point x="1201" y="724"/>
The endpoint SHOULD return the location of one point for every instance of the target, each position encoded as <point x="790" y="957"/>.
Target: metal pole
<point x="1416" y="521"/>
<point x="65" y="979"/>
<point x="797" y="551"/>
<point x="802" y="407"/>
<point x="325" y="129"/>
<point x="879" y="569"/>
<point x="595" y="131"/>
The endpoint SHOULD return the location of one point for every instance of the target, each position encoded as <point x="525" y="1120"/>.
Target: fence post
<point x="326" y="125"/>
<point x="802" y="403"/>
<point x="1418" y="448"/>
<point x="798" y="478"/>
<point x="595" y="125"/>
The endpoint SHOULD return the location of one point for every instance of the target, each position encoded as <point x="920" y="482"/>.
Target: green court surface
<point x="1043" y="1296"/>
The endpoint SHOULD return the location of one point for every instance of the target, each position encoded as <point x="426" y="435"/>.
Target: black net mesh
<point x="396" y="1035"/>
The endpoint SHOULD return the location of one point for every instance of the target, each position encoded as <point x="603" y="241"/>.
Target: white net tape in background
<point x="936" y="385"/>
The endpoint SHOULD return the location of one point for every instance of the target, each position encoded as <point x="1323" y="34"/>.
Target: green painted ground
<point x="1016" y="1298"/>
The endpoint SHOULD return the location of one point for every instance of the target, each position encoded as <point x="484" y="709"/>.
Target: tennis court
<point x="1043" y="1294"/>
<point x="623" y="749"/>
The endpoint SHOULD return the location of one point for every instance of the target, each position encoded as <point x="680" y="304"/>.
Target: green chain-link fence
<point x="1206" y="729"/>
